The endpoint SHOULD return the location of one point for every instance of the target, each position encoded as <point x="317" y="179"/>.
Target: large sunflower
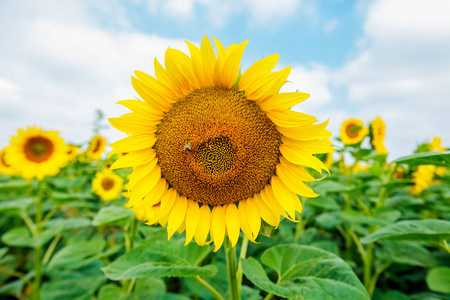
<point x="353" y="131"/>
<point x="213" y="152"/>
<point x="36" y="153"/>
<point x="107" y="185"/>
<point x="96" y="147"/>
<point x="6" y="168"/>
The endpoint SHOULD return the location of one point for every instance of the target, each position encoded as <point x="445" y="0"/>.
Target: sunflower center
<point x="38" y="149"/>
<point x="107" y="184"/>
<point x="3" y="160"/>
<point x="216" y="147"/>
<point x="96" y="146"/>
<point x="352" y="130"/>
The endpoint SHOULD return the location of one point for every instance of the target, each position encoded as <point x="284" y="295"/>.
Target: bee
<point x="187" y="145"/>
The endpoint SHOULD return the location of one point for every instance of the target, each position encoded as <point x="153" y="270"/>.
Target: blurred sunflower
<point x="72" y="152"/>
<point x="353" y="131"/>
<point x="435" y="145"/>
<point x="423" y="178"/>
<point x="107" y="185"/>
<point x="214" y="152"/>
<point x="6" y="168"/>
<point x="96" y="147"/>
<point x="378" y="135"/>
<point x="36" y="153"/>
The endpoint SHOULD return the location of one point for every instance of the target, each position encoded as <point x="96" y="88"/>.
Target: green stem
<point x="242" y="256"/>
<point x="50" y="249"/>
<point x="49" y="215"/>
<point x="374" y="280"/>
<point x="230" y="255"/>
<point x="38" y="246"/>
<point x="207" y="286"/>
<point x="269" y="296"/>
<point x="31" y="226"/>
<point x="445" y="246"/>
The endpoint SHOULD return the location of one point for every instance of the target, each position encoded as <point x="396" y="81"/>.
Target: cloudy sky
<point x="62" y="60"/>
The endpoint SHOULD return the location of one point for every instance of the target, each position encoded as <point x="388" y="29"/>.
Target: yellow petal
<point x="233" y="223"/>
<point x="294" y="183"/>
<point x="168" y="199"/>
<point x="289" y="118"/>
<point x="268" y="85"/>
<point x="154" y="196"/>
<point x="177" y="66"/>
<point x="146" y="184"/>
<point x="203" y="226"/>
<point x="254" y="219"/>
<point x="135" y="158"/>
<point x="270" y="200"/>
<point x="283" y="195"/>
<point x="313" y="146"/>
<point x="283" y="101"/>
<point x="165" y="79"/>
<point x="297" y="171"/>
<point x="140" y="171"/>
<point x="132" y="123"/>
<point x="258" y="69"/>
<point x="143" y="108"/>
<point x="267" y="214"/>
<point x="177" y="215"/>
<point x="197" y="64"/>
<point x="232" y="64"/>
<point x="160" y="89"/>
<point x="243" y="220"/>
<point x="192" y="220"/>
<point x="299" y="157"/>
<point x="218" y="226"/>
<point x="149" y="96"/>
<point x="135" y="142"/>
<point x="305" y="133"/>
<point x="209" y="59"/>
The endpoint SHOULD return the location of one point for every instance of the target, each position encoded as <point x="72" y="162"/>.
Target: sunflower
<point x="72" y="152"/>
<point x="36" y="153"/>
<point x="423" y="178"/>
<point x="353" y="131"/>
<point x="6" y="168"/>
<point x="96" y="147"/>
<point x="107" y="185"/>
<point x="378" y="135"/>
<point x="214" y="152"/>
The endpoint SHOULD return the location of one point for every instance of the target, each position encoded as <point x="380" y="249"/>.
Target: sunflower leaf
<point x="429" y="231"/>
<point x="438" y="279"/>
<point x="425" y="158"/>
<point x="112" y="215"/>
<point x="161" y="259"/>
<point x="306" y="273"/>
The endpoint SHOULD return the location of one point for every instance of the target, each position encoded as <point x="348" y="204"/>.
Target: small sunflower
<point x="96" y="147"/>
<point x="107" y="185"/>
<point x="214" y="153"/>
<point x="423" y="178"/>
<point x="435" y="145"/>
<point x="72" y="152"/>
<point x="6" y="168"/>
<point x="378" y="135"/>
<point x="36" y="153"/>
<point x="353" y="131"/>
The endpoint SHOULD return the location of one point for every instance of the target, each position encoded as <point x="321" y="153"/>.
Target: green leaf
<point x="323" y="202"/>
<point x="149" y="288"/>
<point x="21" y="237"/>
<point x="409" y="253"/>
<point x="16" y="206"/>
<point x="111" y="292"/>
<point x="73" y="255"/>
<point x="306" y="273"/>
<point x="329" y="220"/>
<point x="113" y="215"/>
<point x="68" y="224"/>
<point x="328" y="186"/>
<point x="73" y="288"/>
<point x="14" y="184"/>
<point x="161" y="259"/>
<point x="425" y="158"/>
<point x="438" y="280"/>
<point x="395" y="295"/>
<point x="70" y="197"/>
<point x="429" y="231"/>
<point x="330" y="246"/>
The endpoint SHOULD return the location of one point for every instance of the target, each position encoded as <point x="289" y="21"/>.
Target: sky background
<point x="62" y="60"/>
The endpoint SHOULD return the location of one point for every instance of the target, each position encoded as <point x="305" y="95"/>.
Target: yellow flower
<point x="6" y="168"/>
<point x="436" y="145"/>
<point x="213" y="153"/>
<point x="72" y="152"/>
<point x="36" y="153"/>
<point x="423" y="178"/>
<point x="96" y="147"/>
<point x="107" y="185"/>
<point x="353" y="131"/>
<point x="378" y="135"/>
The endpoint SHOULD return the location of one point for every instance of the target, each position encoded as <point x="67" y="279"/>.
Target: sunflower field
<point x="220" y="191"/>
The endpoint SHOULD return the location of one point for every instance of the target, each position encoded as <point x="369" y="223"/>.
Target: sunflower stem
<point x="230" y="255"/>
<point x="242" y="256"/>
<point x="208" y="287"/>
<point x="38" y="246"/>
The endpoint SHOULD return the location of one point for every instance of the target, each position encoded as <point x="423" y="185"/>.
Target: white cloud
<point x="402" y="71"/>
<point x="63" y="71"/>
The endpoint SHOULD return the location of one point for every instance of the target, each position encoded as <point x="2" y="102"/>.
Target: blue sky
<point x="61" y="60"/>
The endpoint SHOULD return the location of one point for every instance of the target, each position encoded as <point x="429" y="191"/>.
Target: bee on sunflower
<point x="214" y="152"/>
